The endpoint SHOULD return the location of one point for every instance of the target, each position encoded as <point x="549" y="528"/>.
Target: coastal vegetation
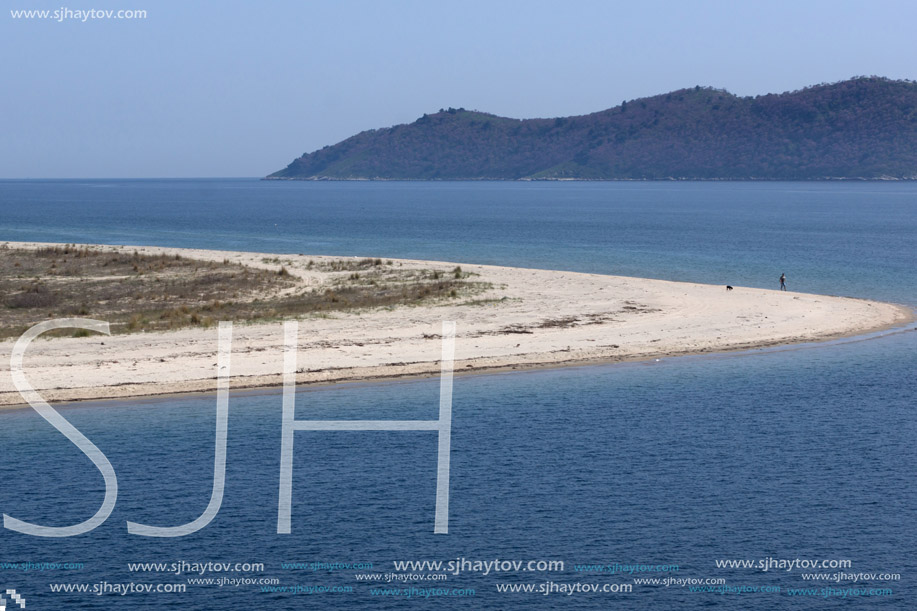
<point x="142" y="292"/>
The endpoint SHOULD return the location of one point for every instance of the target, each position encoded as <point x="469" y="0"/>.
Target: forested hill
<point x="860" y="128"/>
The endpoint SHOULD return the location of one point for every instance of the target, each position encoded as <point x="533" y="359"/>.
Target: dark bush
<point x="35" y="296"/>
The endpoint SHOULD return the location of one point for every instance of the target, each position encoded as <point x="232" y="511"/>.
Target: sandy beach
<point x="528" y="318"/>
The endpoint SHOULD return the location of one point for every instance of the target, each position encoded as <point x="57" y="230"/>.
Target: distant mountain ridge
<point x="862" y="128"/>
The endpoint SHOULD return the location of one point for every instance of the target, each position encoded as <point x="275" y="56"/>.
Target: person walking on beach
<point x="782" y="282"/>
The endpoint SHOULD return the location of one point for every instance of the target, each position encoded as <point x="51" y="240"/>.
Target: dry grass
<point x="136" y="292"/>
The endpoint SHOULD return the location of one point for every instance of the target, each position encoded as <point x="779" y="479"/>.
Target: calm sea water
<point x="802" y="453"/>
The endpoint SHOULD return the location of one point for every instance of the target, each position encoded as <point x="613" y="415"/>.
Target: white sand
<point x="607" y="319"/>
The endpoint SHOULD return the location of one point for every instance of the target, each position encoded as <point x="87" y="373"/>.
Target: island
<point x="864" y="128"/>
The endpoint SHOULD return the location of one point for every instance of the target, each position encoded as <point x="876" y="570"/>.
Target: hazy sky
<point x="241" y="88"/>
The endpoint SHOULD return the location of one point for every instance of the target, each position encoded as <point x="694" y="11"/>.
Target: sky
<point x="226" y="89"/>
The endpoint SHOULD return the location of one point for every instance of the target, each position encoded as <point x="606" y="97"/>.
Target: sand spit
<point x="528" y="318"/>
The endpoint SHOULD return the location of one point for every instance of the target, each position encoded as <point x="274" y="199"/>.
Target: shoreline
<point x="559" y="179"/>
<point x="530" y="319"/>
<point x="274" y="386"/>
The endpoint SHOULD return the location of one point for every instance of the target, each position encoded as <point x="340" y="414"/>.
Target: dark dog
<point x="728" y="288"/>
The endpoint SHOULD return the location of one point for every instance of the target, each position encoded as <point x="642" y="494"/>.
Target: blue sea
<point x="599" y="477"/>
